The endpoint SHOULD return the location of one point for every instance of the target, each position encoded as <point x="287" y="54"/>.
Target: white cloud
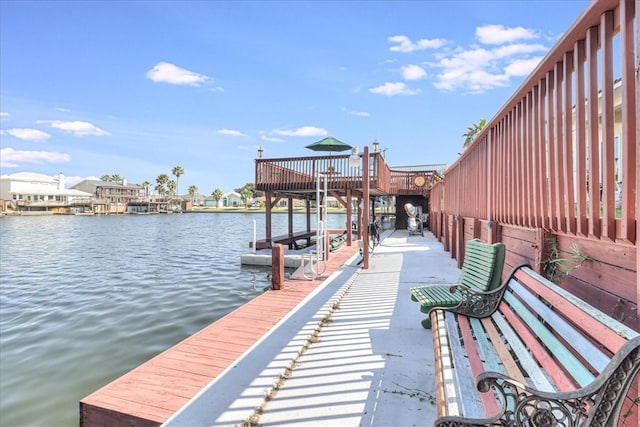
<point x="499" y="34"/>
<point x="479" y="69"/>
<point x="271" y="138"/>
<point x="392" y="89"/>
<point x="475" y="80"/>
<point x="522" y="49"/>
<point x="28" y="134"/>
<point x="4" y="114"/>
<point x="303" y="131"/>
<point x="78" y="128"/>
<point x="522" y="67"/>
<point x="10" y="158"/>
<point x="230" y="132"/>
<point x="405" y="45"/>
<point x="413" y="72"/>
<point x="164" y="72"/>
<point x="63" y="110"/>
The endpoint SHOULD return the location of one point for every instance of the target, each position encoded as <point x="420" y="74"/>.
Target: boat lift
<point x="315" y="262"/>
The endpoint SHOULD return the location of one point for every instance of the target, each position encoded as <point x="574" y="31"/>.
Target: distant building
<point x="114" y="195"/>
<point x="38" y="193"/>
<point x="232" y="199"/>
<point x="195" y="199"/>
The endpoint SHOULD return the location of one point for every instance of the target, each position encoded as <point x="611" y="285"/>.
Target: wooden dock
<point x="154" y="391"/>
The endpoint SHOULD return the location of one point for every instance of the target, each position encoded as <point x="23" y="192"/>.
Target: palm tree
<point x="193" y="192"/>
<point x="246" y="194"/>
<point x="472" y="132"/>
<point x="177" y="171"/>
<point x="160" y="189"/>
<point x="146" y="185"/>
<point x="171" y="187"/>
<point x="162" y="180"/>
<point x="217" y="195"/>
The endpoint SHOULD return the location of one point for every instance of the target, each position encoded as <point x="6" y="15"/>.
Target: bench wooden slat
<point x="573" y="365"/>
<point x="488" y="353"/>
<point x="456" y="393"/>
<point x="443" y="369"/>
<point x="587" y="318"/>
<point x="509" y="363"/>
<point x="563" y="381"/>
<point x="563" y="328"/>
<point x="435" y="295"/>
<point x="475" y="367"/>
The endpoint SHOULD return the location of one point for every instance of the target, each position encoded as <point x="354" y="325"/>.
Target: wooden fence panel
<point x="559" y="161"/>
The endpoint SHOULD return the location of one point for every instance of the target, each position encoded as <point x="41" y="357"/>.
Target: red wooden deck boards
<point x="155" y="390"/>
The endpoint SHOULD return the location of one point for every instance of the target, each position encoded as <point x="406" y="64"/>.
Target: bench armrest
<point x="598" y="403"/>
<point x="479" y="304"/>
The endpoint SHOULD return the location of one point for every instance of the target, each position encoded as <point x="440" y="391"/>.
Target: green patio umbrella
<point x="329" y="144"/>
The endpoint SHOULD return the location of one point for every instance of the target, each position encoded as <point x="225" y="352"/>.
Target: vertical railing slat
<point x="528" y="138"/>
<point x="628" y="162"/>
<point x="580" y="139"/>
<point x="593" y="139"/>
<point x="535" y="156"/>
<point x="547" y="164"/>
<point x="607" y="119"/>
<point x="567" y="145"/>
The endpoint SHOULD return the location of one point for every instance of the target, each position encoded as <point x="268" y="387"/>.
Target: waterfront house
<point x="232" y="199"/>
<point x="115" y="196"/>
<point x="35" y="193"/>
<point x="211" y="202"/>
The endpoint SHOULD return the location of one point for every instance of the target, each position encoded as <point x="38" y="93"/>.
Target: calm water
<point x="85" y="299"/>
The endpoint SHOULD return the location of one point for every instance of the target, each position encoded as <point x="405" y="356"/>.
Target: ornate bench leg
<point x="426" y="323"/>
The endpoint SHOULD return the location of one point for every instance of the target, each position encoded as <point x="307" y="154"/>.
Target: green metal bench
<point x="481" y="271"/>
<point x="539" y="355"/>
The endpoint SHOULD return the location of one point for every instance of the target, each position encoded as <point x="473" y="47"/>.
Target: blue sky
<point x="136" y="88"/>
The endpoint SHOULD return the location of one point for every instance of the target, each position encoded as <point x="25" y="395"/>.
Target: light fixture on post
<point x="260" y="152"/>
<point x="354" y="158"/>
<point x="376" y="145"/>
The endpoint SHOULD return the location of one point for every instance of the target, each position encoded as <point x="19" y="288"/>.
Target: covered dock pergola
<point x="356" y="176"/>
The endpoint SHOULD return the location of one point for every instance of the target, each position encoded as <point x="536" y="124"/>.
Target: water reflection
<point x="85" y="299"/>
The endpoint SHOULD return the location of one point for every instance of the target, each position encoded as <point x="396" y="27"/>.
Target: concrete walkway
<point x="354" y="354"/>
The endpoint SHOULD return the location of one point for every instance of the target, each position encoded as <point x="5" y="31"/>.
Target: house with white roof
<point x="30" y="192"/>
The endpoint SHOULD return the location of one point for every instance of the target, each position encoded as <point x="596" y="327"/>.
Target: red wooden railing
<point x="560" y="158"/>
<point x="298" y="174"/>
<point x="547" y="160"/>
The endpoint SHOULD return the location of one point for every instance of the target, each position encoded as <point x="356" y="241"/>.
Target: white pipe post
<point x="254" y="236"/>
